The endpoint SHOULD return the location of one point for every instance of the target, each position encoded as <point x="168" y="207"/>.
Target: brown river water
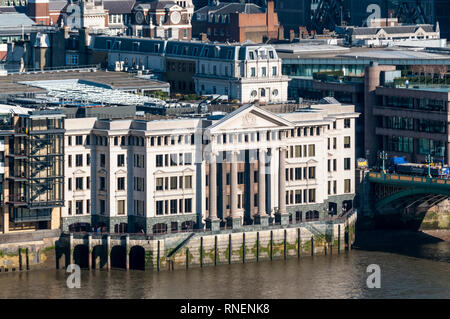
<point x="408" y="271"/>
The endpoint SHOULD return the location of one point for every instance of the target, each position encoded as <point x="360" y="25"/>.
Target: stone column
<point x="235" y="218"/>
<point x="262" y="217"/>
<point x="127" y="252"/>
<point x="282" y="214"/>
<point x="224" y="189"/>
<point x="5" y="220"/>
<point x="71" y="249"/>
<point x="90" y="251"/>
<point x="213" y="222"/>
<point x="108" y="252"/>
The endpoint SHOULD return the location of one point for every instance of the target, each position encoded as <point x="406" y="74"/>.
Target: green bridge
<point x="403" y="198"/>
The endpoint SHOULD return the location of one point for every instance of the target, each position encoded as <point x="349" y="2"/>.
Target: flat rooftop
<point x="356" y="53"/>
<point x="111" y="80"/>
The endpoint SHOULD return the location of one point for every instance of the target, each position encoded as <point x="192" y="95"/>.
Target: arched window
<point x="160" y="228"/>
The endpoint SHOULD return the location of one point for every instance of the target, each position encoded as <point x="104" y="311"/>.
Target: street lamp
<point x="383" y="157"/>
<point x="429" y="160"/>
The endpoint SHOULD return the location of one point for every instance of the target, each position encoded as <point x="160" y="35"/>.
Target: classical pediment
<point x="249" y="117"/>
<point x="79" y="172"/>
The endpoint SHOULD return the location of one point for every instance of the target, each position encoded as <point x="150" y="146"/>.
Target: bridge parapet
<point x="408" y="180"/>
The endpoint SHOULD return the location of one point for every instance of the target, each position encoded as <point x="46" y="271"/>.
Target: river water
<point x="422" y="272"/>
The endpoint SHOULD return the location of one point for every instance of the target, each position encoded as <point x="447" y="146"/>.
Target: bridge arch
<point x="137" y="258"/>
<point x="118" y="257"/>
<point x="81" y="256"/>
<point x="410" y="192"/>
<point x="99" y="256"/>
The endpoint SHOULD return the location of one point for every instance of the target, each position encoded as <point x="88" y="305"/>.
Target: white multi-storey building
<point x="245" y="168"/>
<point x="245" y="73"/>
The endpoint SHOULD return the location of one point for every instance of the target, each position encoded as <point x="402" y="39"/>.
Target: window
<point x="311" y="150"/>
<point x="121" y="207"/>
<point x="121" y="183"/>
<point x="72" y="59"/>
<point x="139" y="184"/>
<point x="346" y="123"/>
<point x="311" y="172"/>
<point x="263" y="92"/>
<point x="274" y="71"/>
<point x="347" y="186"/>
<point x="188" y="182"/>
<point x="102" y="206"/>
<point x="334" y="143"/>
<point x="102" y="183"/>
<point x="69" y="184"/>
<point x="240" y="178"/>
<point x="271" y="54"/>
<point x="263" y="71"/>
<point x="173" y="159"/>
<point x="173" y="182"/>
<point x="159" y="161"/>
<point x="159" y="184"/>
<point x="252" y="72"/>
<point x="69" y="161"/>
<point x="312" y="195"/>
<point x="69" y="140"/>
<point x="298" y="173"/>
<point x="69" y="207"/>
<point x="79" y="207"/>
<point x="120" y="160"/>
<point x="188" y="205"/>
<point x="79" y="140"/>
<point x="187" y="158"/>
<point x="347" y="142"/>
<point x="102" y="160"/>
<point x="334" y="164"/>
<point x="88" y="182"/>
<point x="298" y="196"/>
<point x="79" y="160"/>
<point x="173" y="206"/>
<point x="159" y="207"/>
<point x="79" y="183"/>
<point x="88" y="159"/>
<point x="347" y="163"/>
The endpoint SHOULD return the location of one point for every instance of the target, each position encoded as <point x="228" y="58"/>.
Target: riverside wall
<point x="177" y="251"/>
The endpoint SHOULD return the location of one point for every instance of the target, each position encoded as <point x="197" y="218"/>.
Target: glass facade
<point x="435" y="148"/>
<point x="399" y="144"/>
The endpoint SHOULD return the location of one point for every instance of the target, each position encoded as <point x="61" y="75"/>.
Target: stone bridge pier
<point x="100" y="251"/>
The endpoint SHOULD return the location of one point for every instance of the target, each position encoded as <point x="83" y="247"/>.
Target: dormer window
<point x="271" y="54"/>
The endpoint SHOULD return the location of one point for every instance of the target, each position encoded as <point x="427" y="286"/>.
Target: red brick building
<point x="236" y="22"/>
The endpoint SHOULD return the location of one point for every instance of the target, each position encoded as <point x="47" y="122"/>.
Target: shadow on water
<point x="404" y="242"/>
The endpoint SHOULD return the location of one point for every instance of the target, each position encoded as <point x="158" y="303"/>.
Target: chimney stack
<point x="291" y="35"/>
